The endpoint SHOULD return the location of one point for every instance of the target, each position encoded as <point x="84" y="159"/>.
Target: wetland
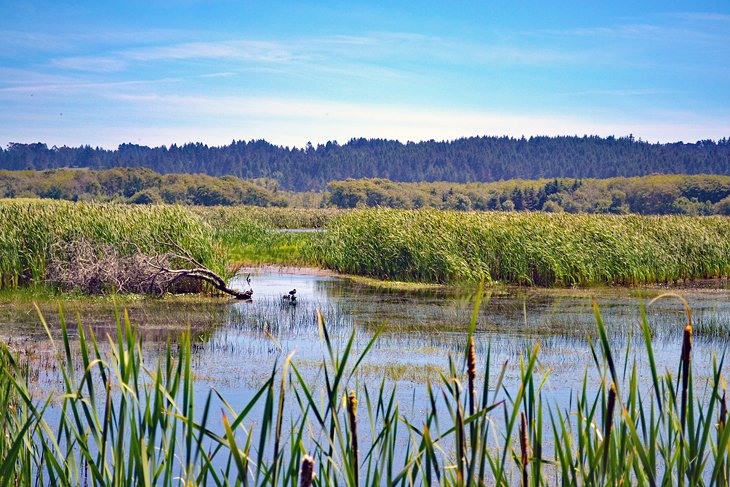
<point x="631" y="310"/>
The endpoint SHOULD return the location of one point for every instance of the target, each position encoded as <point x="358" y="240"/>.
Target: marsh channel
<point x="236" y="344"/>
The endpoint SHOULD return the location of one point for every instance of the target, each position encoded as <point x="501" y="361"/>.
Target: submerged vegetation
<point x="124" y="420"/>
<point x="526" y="248"/>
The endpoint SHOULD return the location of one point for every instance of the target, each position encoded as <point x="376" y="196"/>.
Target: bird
<point x="291" y="296"/>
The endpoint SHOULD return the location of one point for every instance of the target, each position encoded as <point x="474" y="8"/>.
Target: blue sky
<point x="162" y="72"/>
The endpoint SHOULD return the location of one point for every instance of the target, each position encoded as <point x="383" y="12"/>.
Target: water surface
<point x="236" y="344"/>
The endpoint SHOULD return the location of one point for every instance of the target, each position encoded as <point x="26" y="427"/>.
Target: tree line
<point x="473" y="159"/>
<point x="139" y="185"/>
<point x="648" y="195"/>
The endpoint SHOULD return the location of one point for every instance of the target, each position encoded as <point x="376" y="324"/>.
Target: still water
<point x="236" y="344"/>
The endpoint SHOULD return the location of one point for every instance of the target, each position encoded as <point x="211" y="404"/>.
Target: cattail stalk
<point x="608" y="423"/>
<point x="460" y="444"/>
<point x="524" y="448"/>
<point x="722" y="423"/>
<point x="307" y="473"/>
<point x="472" y="373"/>
<point x="352" y="414"/>
<point x="686" y="357"/>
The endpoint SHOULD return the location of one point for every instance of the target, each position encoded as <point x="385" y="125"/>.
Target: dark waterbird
<point x="290" y="297"/>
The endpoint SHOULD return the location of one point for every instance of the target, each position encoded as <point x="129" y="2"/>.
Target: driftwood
<point x="98" y="268"/>
<point x="196" y="271"/>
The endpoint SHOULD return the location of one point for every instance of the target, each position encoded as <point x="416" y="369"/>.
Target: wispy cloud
<point x="75" y="87"/>
<point x="666" y="28"/>
<point x="374" y="56"/>
<point x="90" y="63"/>
<point x="240" y="50"/>
<point x="620" y="93"/>
<point x="699" y="16"/>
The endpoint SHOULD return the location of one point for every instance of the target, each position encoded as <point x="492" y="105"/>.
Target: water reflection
<point x="236" y="343"/>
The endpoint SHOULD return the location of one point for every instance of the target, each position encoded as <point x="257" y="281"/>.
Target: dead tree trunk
<point x="196" y="271"/>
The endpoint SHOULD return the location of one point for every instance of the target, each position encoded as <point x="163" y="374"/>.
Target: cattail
<point x="720" y="431"/>
<point x="460" y="444"/>
<point x="686" y="357"/>
<point x="524" y="448"/>
<point x="471" y="361"/>
<point x="608" y="422"/>
<point x="352" y="413"/>
<point x="307" y="473"/>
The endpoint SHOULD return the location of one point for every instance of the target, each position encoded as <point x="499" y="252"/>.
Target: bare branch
<point x="97" y="268"/>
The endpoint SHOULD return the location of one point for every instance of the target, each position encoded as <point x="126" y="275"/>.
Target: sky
<point x="159" y="72"/>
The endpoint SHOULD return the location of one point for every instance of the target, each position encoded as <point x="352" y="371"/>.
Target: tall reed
<point x="30" y="231"/>
<point x="526" y="248"/>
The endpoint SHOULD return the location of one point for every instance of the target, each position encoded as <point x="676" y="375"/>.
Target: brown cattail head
<point x="610" y="406"/>
<point x="686" y="357"/>
<point x="723" y="404"/>
<point x="352" y="415"/>
<point x="687" y="346"/>
<point x="352" y="409"/>
<point x="471" y="361"/>
<point x="524" y="448"/>
<point x="608" y="422"/>
<point x="307" y="473"/>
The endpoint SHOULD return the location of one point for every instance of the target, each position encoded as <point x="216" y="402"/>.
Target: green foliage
<point x="138" y="185"/>
<point x="556" y="249"/>
<point x="647" y="195"/>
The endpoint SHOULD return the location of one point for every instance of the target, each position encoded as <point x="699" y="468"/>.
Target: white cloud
<point x="90" y="63"/>
<point x="239" y="50"/>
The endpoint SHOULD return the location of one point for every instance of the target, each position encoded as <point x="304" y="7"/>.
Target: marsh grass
<point x="271" y="248"/>
<point x="526" y="248"/>
<point x="120" y="420"/>
<point x="274" y="218"/>
<point x="31" y="232"/>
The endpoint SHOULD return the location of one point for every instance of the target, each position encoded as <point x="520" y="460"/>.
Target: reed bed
<point x="251" y="235"/>
<point x="272" y="217"/>
<point x="124" y="421"/>
<point x="31" y="231"/>
<point x="526" y="248"/>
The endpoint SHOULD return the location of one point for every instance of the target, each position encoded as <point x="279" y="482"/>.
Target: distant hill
<point x="473" y="159"/>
